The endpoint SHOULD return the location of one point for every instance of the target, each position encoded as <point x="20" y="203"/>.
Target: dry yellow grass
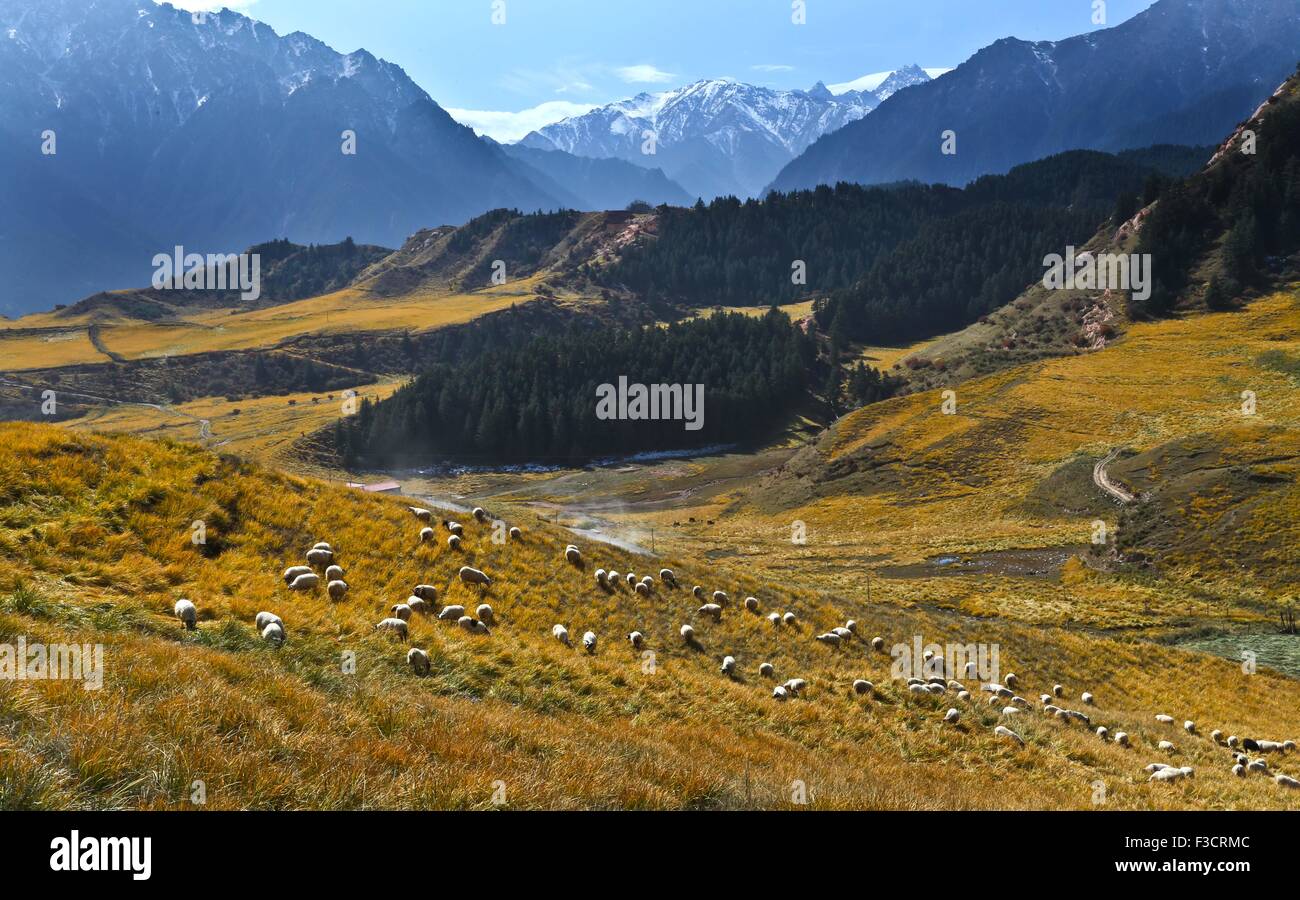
<point x="95" y="546"/>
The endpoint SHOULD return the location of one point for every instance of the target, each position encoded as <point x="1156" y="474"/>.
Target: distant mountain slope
<point x="597" y="184"/>
<point x="212" y="134"/>
<point x="1182" y="72"/>
<point x="716" y="137"/>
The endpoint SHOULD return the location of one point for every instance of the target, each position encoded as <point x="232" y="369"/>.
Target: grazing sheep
<point x="861" y="686"/>
<point x="1086" y="698"/>
<point x="1239" y="770"/>
<point x="1011" y="680"/>
<point x="485" y="614"/>
<point x="322" y="545"/>
<point x="336" y="589"/>
<point x="589" y="642"/>
<point x="1045" y="699"/>
<point x="1288" y="746"/>
<point x="917" y="688"/>
<point x="1048" y="710"/>
<point x="1121" y="738"/>
<point x="631" y="579"/>
<point x="319" y="557"/>
<point x="401" y="611"/>
<point x="453" y="542"/>
<point x="474" y="576"/>
<point x="688" y="633"/>
<point x="1189" y="726"/>
<point x="852" y="626"/>
<point x="843" y="633"/>
<point x="305" y="582"/>
<point x="425" y="592"/>
<point x="1167" y="746"/>
<point x="1249" y="744"/>
<point x="774" y="618"/>
<point x="1257" y="765"/>
<point x="456" y="528"/>
<point x="265" y="618"/>
<point x="1004" y="731"/>
<point x="1164" y="720"/>
<point x="600" y="577"/>
<point x="830" y="639"/>
<point x="766" y="670"/>
<point x="424" y="515"/>
<point x="188" y="613"/>
<point x="751" y="604"/>
<point x="472" y="625"/>
<point x="294" y="571"/>
<point x="795" y="686"/>
<point x="393" y="626"/>
<point x="450" y="613"/>
<point x="1077" y="716"/>
<point x="561" y="634"/>
<point x="1010" y="710"/>
<point x="1058" y="690"/>
<point x="1233" y="740"/>
<point x="1169" y="774"/>
<point x="963" y="695"/>
<point x="994" y="700"/>
<point x="1286" y="781"/>
<point x="936" y="688"/>
<point x="479" y="513"/>
<point x="956" y="686"/>
<point x="418" y="660"/>
<point x="697" y="592"/>
<point x="334" y="573"/>
<point x="1102" y="731"/>
<point x="721" y="598"/>
<point x="780" y="693"/>
<point x="951" y="716"/>
<point x="648" y="580"/>
<point x="273" y="633"/>
<point x="789" y="618"/>
<point x="1268" y="747"/>
<point x="573" y="555"/>
<point x="612" y="578"/>
<point x="728" y="665"/>
<point x="427" y="535"/>
<point x="636" y="639"/>
<point x="1241" y="758"/>
<point x="516" y="534"/>
<point x="642" y="588"/>
<point x="710" y="609"/>
<point x="418" y="606"/>
<point x="668" y="577"/>
<point x="878" y="644"/>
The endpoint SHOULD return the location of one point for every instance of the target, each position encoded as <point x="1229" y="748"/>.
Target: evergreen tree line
<point x="498" y="402"/>
<point x="1244" y="213"/>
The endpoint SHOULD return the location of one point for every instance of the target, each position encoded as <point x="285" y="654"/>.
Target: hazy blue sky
<point x="586" y="52"/>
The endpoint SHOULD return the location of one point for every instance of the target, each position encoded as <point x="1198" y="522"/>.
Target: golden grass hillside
<point x="95" y="547"/>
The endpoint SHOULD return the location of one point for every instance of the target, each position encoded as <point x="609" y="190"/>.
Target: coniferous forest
<point x="537" y="401"/>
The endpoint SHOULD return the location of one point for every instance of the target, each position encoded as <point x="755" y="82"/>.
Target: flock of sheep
<point x="424" y="598"/>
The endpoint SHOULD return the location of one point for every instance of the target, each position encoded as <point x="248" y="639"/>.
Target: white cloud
<point x="208" y="5"/>
<point x="644" y="74"/>
<point x="772" y="68"/>
<point x="508" y="127"/>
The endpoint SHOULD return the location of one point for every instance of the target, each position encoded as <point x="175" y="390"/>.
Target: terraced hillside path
<point x="1102" y="480"/>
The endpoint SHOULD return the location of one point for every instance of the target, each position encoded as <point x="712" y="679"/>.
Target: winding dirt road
<point x="1102" y="480"/>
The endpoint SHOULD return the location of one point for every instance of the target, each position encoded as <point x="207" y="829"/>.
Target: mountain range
<point x="717" y="137"/>
<point x="1181" y="72"/>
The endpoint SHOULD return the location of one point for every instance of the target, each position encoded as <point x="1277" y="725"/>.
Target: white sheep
<point x="1164" y="720"/>
<point x="963" y="695"/>
<point x="323" y="545"/>
<point x="1257" y="765"/>
<point x="1239" y="770"/>
<point x="1288" y="746"/>
<point x="668" y="577"/>
<point x="265" y="618"/>
<point x="479" y="513"/>
<point x="951" y="716"/>
<point x="273" y="633"/>
<point x="451" y="613"/>
<point x="1170" y="774"/>
<point x="561" y="634"/>
<point x="751" y="604"/>
<point x="1167" y="746"/>
<point x="1045" y="699"/>
<point x="1121" y="738"/>
<point x="779" y="692"/>
<point x="589" y="642"/>
<point x="642" y="588"/>
<point x="474" y="576"/>
<point x="294" y="571"/>
<point x="600" y="576"/>
<point x="456" y="528"/>
<point x="830" y="639"/>
<point x="631" y="579"/>
<point x="453" y="542"/>
<point x="427" y="535"/>
<point x="516" y="534"/>
<point x="425" y="592"/>
<point x="774" y="618"/>
<point x="1286" y="781"/>
<point x="648" y="580"/>
<point x="1217" y="736"/>
<point x="573" y="555"/>
<point x="688" y="633"/>
<point x="1010" y="710"/>
<point x="1086" y="698"/>
<point x="305" y="582"/>
<point x="852" y="626"/>
<point x="766" y="670"/>
<point x="1189" y="726"/>
<point x="1011" y="679"/>
<point x="472" y="625"/>
<point x="1102" y="731"/>
<point x="1269" y="747"/>
<point x="418" y="660"/>
<point x="486" y="614"/>
<point x="710" y="609"/>
<point x="1004" y="731"/>
<point x="1233" y="740"/>
<point x="393" y="626"/>
<point x="917" y="688"/>
<point x="728" y="665"/>
<point x="334" y="573"/>
<point x="319" y="557"/>
<point x="424" y="515"/>
<point x="401" y="611"/>
<point x="636" y="639"/>
<point x="878" y="644"/>
<point x="862" y="686"/>
<point x="336" y="589"/>
<point x="796" y="686"/>
<point x="789" y="618"/>
<point x="613" y="578"/>
<point x="188" y="613"/>
<point x="721" y="598"/>
<point x="697" y="592"/>
<point x="1058" y="690"/>
<point x="418" y="606"/>
<point x="843" y="633"/>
